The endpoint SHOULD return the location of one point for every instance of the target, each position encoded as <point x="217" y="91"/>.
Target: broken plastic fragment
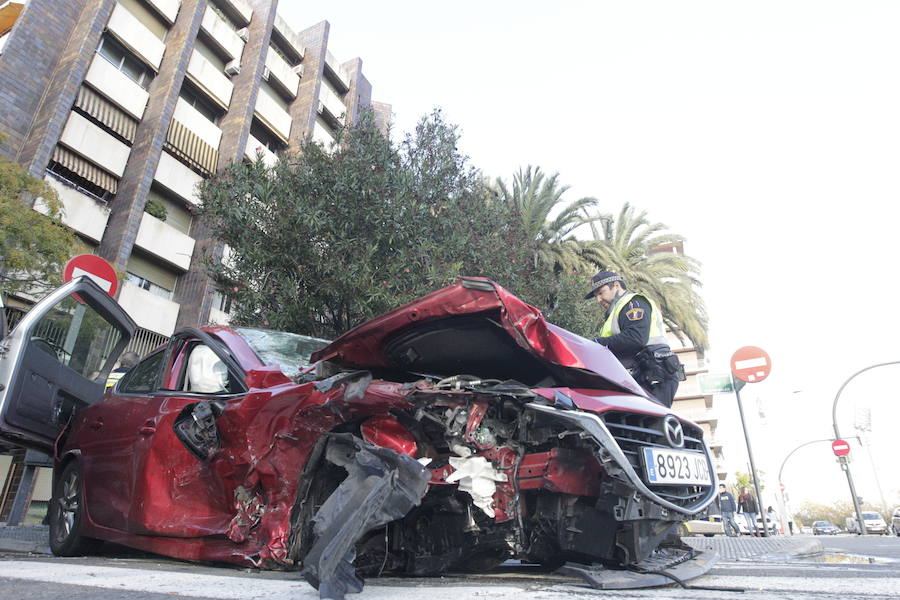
<point x="381" y="486"/>
<point x="477" y="477"/>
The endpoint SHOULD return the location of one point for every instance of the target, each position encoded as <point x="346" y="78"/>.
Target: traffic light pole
<point x="759" y="500"/>
<point x="845" y="464"/>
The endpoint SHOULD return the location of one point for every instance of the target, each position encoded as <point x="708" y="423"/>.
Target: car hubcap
<point x="67" y="506"/>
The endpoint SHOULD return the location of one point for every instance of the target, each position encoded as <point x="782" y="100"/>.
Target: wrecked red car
<point x="453" y="433"/>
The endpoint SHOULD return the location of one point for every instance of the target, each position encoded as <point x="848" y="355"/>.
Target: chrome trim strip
<point x="595" y="426"/>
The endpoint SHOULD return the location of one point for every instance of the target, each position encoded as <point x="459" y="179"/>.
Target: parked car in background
<point x="710" y="526"/>
<point x="806" y="530"/>
<point x="745" y="530"/>
<point x="873" y="521"/>
<point x="895" y="521"/>
<point x="825" y="528"/>
<point x="453" y="432"/>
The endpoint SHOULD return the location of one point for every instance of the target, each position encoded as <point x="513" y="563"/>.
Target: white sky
<point x="766" y="132"/>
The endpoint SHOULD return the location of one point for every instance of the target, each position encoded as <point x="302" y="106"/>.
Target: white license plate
<point x="676" y="467"/>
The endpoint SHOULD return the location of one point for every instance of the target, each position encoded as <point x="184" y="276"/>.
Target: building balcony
<point x="331" y="105"/>
<point x="210" y="79"/>
<point x="149" y="310"/>
<point x="222" y="35"/>
<point x="117" y="87"/>
<point x="272" y="115"/>
<point x="289" y="35"/>
<point x="336" y="74"/>
<point x="136" y="37"/>
<point x="84" y="214"/>
<point x="239" y="9"/>
<point x="194" y="120"/>
<point x="281" y="74"/>
<point x="167" y="9"/>
<point x="94" y="144"/>
<point x="218" y="317"/>
<point x="178" y="178"/>
<point x="254" y="147"/>
<point x="164" y="241"/>
<point x="322" y="135"/>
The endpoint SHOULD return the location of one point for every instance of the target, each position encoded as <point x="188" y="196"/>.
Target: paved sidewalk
<point x="746" y="547"/>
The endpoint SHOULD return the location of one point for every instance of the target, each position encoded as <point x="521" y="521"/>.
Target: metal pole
<point x="759" y="499"/>
<point x="845" y="465"/>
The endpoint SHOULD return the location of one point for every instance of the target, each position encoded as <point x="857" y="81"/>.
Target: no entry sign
<point x="751" y="364"/>
<point x="100" y="271"/>
<point x="840" y="447"/>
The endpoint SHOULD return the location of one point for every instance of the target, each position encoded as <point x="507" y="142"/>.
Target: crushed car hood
<point x="477" y="327"/>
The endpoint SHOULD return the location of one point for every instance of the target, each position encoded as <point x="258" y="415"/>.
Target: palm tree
<point x="632" y="246"/>
<point x="534" y="198"/>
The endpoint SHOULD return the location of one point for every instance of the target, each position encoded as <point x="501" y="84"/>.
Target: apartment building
<point x="692" y="403"/>
<point x="125" y="106"/>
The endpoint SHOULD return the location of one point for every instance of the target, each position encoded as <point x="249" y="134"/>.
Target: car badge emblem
<point x="673" y="432"/>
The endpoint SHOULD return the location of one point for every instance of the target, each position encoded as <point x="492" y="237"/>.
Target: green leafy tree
<point x="325" y="240"/>
<point x="744" y="480"/>
<point x="33" y="246"/>
<point x="534" y="198"/>
<point x="627" y="244"/>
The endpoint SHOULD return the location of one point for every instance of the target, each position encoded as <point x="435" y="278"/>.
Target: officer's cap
<point x="600" y="279"/>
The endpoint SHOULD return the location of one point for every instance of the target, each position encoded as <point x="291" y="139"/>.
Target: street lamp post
<point x="845" y="464"/>
<point x="784" y="462"/>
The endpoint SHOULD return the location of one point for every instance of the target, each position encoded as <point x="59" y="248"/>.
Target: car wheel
<point x="708" y="535"/>
<point x="67" y="515"/>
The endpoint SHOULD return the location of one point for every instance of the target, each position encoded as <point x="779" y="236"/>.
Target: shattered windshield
<point x="289" y="351"/>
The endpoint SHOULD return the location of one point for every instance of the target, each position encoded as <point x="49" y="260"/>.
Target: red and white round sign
<point x="840" y="447"/>
<point x="751" y="364"/>
<point x="100" y="272"/>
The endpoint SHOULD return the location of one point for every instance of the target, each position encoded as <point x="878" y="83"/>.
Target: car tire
<point x="708" y="534"/>
<point x="66" y="515"/>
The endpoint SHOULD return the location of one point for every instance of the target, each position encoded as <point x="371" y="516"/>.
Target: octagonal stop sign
<point x="751" y="364"/>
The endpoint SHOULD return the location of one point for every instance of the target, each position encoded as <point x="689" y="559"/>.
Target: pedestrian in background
<point x="772" y="517"/>
<point x="727" y="506"/>
<point x="747" y="505"/>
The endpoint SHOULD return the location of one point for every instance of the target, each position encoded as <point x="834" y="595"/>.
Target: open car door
<point x="56" y="361"/>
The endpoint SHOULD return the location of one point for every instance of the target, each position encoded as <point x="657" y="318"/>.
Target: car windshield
<point x="288" y="351"/>
<point x="820" y="523"/>
<point x="868" y="515"/>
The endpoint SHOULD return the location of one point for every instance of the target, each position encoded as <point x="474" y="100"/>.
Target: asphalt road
<point x="146" y="578"/>
<point x="886" y="546"/>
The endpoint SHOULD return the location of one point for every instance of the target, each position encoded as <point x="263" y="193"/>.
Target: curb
<point x="8" y="545"/>
<point x="804" y="548"/>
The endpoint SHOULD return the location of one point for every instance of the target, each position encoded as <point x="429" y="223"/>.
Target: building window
<point x="148" y="285"/>
<point x="266" y="137"/>
<point x="125" y="61"/>
<point x="221" y="302"/>
<point x="193" y="97"/>
<point x="74" y="171"/>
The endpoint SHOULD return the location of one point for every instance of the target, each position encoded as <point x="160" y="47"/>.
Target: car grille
<point x="634" y="431"/>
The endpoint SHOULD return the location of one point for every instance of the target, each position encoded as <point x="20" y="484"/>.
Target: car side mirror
<point x="268" y="376"/>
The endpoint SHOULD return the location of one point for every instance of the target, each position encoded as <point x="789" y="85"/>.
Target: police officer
<point x="635" y="333"/>
<point x="128" y="360"/>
